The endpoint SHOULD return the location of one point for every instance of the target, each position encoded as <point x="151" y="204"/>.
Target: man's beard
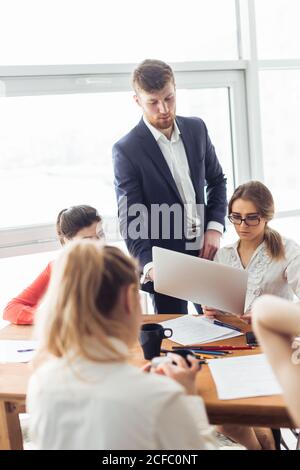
<point x="160" y="123"/>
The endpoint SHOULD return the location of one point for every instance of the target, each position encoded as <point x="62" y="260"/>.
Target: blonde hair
<point x="84" y="289"/>
<point x="262" y="198"/>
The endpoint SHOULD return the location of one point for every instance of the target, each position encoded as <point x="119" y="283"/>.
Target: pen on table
<point x="25" y="350"/>
<point x="202" y="357"/>
<point x="216" y="348"/>
<point x="225" y="325"/>
<point x="207" y="356"/>
<point x="203" y="351"/>
<point x="211" y="351"/>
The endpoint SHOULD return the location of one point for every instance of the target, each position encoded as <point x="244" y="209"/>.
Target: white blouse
<point x="266" y="275"/>
<point x="94" y="405"/>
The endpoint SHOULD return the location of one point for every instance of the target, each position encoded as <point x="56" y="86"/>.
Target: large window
<point x="115" y="31"/>
<point x="280" y="105"/>
<point x="278" y="33"/>
<point x="62" y="155"/>
<point x="203" y="103"/>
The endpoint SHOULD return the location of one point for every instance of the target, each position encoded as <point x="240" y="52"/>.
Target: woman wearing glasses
<point x="273" y="266"/>
<point x="271" y="261"/>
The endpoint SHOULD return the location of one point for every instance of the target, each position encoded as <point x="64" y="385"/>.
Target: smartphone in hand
<point x="166" y="359"/>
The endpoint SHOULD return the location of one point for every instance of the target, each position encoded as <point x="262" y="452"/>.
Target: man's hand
<point x="247" y="317"/>
<point x="211" y="244"/>
<point x="150" y="274"/>
<point x="209" y="312"/>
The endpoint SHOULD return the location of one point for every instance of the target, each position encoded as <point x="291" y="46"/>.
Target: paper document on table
<point x="17" y="351"/>
<point x="189" y="329"/>
<point x="244" y="376"/>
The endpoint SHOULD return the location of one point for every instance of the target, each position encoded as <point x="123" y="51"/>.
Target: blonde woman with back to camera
<point x="84" y="393"/>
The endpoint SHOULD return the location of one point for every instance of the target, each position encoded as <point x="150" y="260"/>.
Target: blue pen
<point x="199" y="350"/>
<point x="25" y="350"/>
<point x="220" y="323"/>
<point x="212" y="351"/>
<point x="209" y="353"/>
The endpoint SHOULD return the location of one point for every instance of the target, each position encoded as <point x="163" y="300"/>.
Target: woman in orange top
<point x="73" y="223"/>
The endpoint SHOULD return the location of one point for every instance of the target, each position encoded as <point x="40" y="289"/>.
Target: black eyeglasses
<point x="250" y="220"/>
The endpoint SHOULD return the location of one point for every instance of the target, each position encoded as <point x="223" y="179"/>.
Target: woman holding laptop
<point x="273" y="266"/>
<point x="271" y="261"/>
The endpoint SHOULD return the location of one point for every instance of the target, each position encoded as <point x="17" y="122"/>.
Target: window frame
<point x="24" y="81"/>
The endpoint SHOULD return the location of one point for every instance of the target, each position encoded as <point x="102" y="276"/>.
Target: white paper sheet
<point x="190" y="329"/>
<point x="244" y="376"/>
<point x="17" y="351"/>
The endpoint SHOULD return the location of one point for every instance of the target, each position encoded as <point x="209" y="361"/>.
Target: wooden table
<point x="261" y="411"/>
<point x="258" y="411"/>
<point x="13" y="386"/>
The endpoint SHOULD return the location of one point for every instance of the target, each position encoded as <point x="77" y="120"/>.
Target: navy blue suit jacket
<point x="142" y="176"/>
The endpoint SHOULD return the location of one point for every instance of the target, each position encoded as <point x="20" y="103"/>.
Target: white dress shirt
<point x="266" y="275"/>
<point x="174" y="153"/>
<point x="97" y="405"/>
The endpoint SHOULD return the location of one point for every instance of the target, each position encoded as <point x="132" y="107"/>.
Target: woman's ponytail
<point x="274" y="243"/>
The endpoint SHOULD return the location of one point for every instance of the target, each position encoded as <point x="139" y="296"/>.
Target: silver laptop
<point x="198" y="280"/>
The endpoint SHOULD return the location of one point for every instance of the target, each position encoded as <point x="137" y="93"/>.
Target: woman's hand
<point x="209" y="312"/>
<point x="181" y="372"/>
<point x="147" y="367"/>
<point x="247" y="317"/>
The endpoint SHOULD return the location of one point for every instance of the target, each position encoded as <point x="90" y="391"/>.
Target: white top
<point x="94" y="405"/>
<point x="266" y="275"/>
<point x="175" y="155"/>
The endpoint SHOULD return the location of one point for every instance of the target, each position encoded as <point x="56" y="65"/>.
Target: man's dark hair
<point x="70" y="221"/>
<point x="152" y="75"/>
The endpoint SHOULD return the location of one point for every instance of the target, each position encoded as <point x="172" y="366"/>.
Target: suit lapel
<point x="152" y="149"/>
<point x="188" y="142"/>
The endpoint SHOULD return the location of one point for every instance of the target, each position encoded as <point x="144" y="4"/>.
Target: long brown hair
<point x="70" y="221"/>
<point x="84" y="289"/>
<point x="261" y="197"/>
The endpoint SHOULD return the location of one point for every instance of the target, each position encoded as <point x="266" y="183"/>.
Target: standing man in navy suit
<point x="163" y="168"/>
